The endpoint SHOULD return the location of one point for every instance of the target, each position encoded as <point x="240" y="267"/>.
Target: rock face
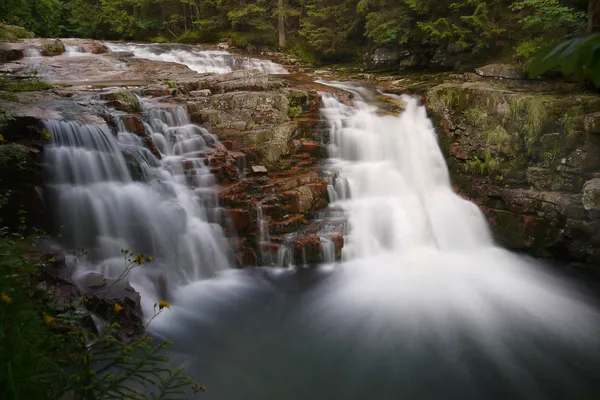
<point x="386" y="55"/>
<point x="531" y="161"/>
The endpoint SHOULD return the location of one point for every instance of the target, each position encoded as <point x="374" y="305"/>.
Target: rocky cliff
<point x="529" y="157"/>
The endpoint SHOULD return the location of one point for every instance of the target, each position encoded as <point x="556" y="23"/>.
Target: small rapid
<point x="199" y="60"/>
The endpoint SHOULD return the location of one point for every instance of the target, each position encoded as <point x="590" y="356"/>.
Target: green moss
<point x="295" y="111"/>
<point x="55" y="48"/>
<point x="572" y="120"/>
<point x="159" y="39"/>
<point x="14" y="33"/>
<point x="528" y="116"/>
<point x="475" y="116"/>
<point x="8" y="97"/>
<point x="28" y="86"/>
<point x="171" y="84"/>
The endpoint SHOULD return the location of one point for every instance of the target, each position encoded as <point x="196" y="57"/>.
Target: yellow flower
<point x="163" y="304"/>
<point x="1" y="138"/>
<point x="139" y="259"/>
<point x="48" y="319"/>
<point x="203" y="388"/>
<point x="149" y="259"/>
<point x="86" y="299"/>
<point x="118" y="307"/>
<point x="92" y="372"/>
<point x="6" y="298"/>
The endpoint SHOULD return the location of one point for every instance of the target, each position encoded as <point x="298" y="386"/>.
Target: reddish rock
<point x="247" y="257"/>
<point x="298" y="200"/>
<point x="240" y="219"/>
<point x="157" y="91"/>
<point x="133" y="124"/>
<point x="310" y="146"/>
<point x="152" y="147"/>
<point x="188" y="164"/>
<point x="458" y="152"/>
<point x="338" y="242"/>
<point x="307" y="249"/>
<point x="288" y="224"/>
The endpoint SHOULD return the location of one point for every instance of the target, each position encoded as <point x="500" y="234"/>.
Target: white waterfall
<point x="164" y="214"/>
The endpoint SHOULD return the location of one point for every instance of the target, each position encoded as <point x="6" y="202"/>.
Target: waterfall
<point x="203" y="61"/>
<point x="165" y="212"/>
<point x="423" y="306"/>
<point x="392" y="180"/>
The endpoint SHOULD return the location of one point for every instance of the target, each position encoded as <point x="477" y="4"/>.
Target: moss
<point x="475" y="116"/>
<point x="27" y="86"/>
<point x="295" y="111"/>
<point x="528" y="115"/>
<point x="8" y="97"/>
<point x="55" y="48"/>
<point x="572" y="120"/>
<point x="171" y="84"/>
<point x="14" y="33"/>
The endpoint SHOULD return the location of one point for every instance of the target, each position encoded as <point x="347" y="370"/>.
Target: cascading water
<point x="424" y="305"/>
<point x="104" y="210"/>
<point x="217" y="61"/>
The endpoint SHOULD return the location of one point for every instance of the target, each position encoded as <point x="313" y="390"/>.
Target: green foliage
<point x="295" y="111"/>
<point x="8" y="97"/>
<point x="579" y="58"/>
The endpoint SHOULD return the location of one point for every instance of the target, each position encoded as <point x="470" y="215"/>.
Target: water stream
<point x="423" y="306"/>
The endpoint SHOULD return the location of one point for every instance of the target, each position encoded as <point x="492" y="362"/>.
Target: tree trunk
<point x="592" y="7"/>
<point x="280" y="8"/>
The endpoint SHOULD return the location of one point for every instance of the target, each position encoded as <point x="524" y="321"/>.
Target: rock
<point x="242" y="80"/>
<point x="591" y="194"/>
<point x="386" y="55"/>
<point x="9" y="53"/>
<point x="506" y="71"/>
<point x="259" y="170"/>
<point x="307" y="250"/>
<point x="298" y="200"/>
<point x="591" y="123"/>
<point x="288" y="224"/>
<point x="94" y="281"/>
<point x="240" y="219"/>
<point x="305" y="145"/>
<point x="200" y="93"/>
<point x="133" y="124"/>
<point x="53" y="48"/>
<point x="121" y="99"/>
<point x="158" y="91"/>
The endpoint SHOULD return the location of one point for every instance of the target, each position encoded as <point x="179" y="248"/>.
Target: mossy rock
<point x="53" y="48"/>
<point x="122" y="100"/>
<point x="13" y="33"/>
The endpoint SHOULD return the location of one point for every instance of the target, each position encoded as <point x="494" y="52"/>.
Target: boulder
<point x="259" y="170"/>
<point x="504" y="71"/>
<point x="52" y="48"/>
<point x="240" y="219"/>
<point x="132" y="123"/>
<point x="386" y="55"/>
<point x="591" y="195"/>
<point x="10" y="53"/>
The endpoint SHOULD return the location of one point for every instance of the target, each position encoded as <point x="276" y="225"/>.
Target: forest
<point x="321" y="30"/>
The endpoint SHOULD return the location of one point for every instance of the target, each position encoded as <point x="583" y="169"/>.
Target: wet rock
<point x="307" y="250"/>
<point x="133" y="123"/>
<point x="591" y="194"/>
<point x="338" y="242"/>
<point x="103" y="296"/>
<point x="242" y="80"/>
<point x="121" y="99"/>
<point x="310" y="146"/>
<point x="240" y="219"/>
<point x="298" y="200"/>
<point x="506" y="71"/>
<point x="288" y="224"/>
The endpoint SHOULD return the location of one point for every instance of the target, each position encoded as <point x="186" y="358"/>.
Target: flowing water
<point x="423" y="306"/>
<point x="104" y="210"/>
<point x="217" y="61"/>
